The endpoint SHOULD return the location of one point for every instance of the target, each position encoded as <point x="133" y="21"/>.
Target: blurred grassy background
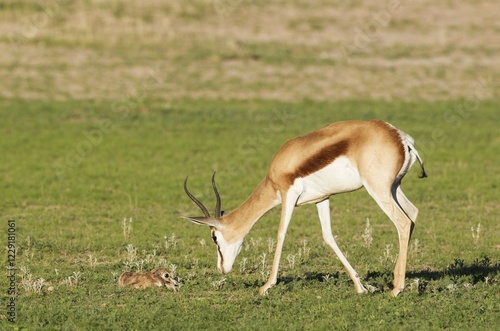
<point x="239" y="49"/>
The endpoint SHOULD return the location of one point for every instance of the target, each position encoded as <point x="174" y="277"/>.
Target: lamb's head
<point x="165" y="278"/>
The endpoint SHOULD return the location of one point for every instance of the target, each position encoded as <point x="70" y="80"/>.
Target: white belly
<point x="338" y="177"/>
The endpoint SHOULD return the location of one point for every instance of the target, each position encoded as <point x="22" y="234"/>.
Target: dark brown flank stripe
<point x="320" y="160"/>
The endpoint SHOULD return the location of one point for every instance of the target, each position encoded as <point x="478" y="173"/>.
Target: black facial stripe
<point x="221" y="257"/>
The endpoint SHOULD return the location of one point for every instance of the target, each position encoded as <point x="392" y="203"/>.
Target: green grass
<point x="69" y="218"/>
<point x="107" y="106"/>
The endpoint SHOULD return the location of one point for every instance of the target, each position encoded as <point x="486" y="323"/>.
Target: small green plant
<point x="130" y="257"/>
<point x="243" y="265"/>
<point x="371" y="288"/>
<point x="131" y="253"/>
<point x="476" y="233"/>
<point x="172" y="269"/>
<point x="92" y="260"/>
<point x="415" y="248"/>
<point x="326" y="278"/>
<point x="291" y="260"/>
<point x="304" y="250"/>
<point x="254" y="243"/>
<point x="388" y="259"/>
<point x="455" y="270"/>
<point x="170" y="241"/>
<point x="127" y="228"/>
<point x="270" y="245"/>
<point x="150" y="258"/>
<point x="417" y="285"/>
<point x="219" y="284"/>
<point x="264" y="270"/>
<point x="367" y="234"/>
<point x="73" y="280"/>
<point x="29" y="283"/>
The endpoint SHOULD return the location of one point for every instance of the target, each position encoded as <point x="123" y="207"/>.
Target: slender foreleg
<point x="288" y="205"/>
<point x="324" y="217"/>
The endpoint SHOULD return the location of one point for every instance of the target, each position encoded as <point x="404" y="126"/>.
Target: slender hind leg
<point x="324" y="217"/>
<point x="388" y="203"/>
<point x="406" y="205"/>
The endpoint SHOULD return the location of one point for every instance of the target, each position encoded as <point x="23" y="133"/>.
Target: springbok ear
<point x="209" y="221"/>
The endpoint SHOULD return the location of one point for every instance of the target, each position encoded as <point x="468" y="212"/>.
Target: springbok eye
<point x="166" y="276"/>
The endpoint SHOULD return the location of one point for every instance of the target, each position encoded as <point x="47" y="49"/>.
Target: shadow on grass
<point x="480" y="270"/>
<point x="477" y="271"/>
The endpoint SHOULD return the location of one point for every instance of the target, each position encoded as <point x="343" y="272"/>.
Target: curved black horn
<point x="217" y="196"/>
<point x="198" y="203"/>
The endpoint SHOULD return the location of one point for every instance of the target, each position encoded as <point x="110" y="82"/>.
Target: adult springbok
<point x="341" y="157"/>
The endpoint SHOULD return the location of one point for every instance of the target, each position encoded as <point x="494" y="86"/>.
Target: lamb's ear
<point x="209" y="221"/>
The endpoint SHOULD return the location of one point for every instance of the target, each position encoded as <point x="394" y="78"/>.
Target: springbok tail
<point x="414" y="151"/>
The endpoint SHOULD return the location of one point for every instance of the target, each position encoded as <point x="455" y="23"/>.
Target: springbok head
<point x="225" y="238"/>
